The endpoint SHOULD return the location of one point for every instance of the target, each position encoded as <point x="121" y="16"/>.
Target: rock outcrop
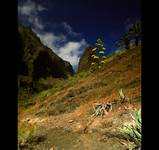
<point x="85" y="60"/>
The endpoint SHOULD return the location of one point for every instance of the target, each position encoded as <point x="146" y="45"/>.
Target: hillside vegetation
<point x="61" y="116"/>
<point x="37" y="62"/>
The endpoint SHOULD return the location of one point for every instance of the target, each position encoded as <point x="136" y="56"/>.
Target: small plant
<point x="132" y="132"/>
<point x="98" y="55"/>
<point x="26" y="133"/>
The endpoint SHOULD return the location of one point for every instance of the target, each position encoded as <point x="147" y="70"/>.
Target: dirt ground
<point x="78" y="130"/>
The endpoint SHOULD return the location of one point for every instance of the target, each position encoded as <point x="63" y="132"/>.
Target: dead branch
<point x="102" y="109"/>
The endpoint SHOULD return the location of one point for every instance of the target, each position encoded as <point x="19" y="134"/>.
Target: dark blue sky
<point x="92" y="19"/>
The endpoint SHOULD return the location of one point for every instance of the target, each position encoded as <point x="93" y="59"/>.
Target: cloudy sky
<point x="69" y="26"/>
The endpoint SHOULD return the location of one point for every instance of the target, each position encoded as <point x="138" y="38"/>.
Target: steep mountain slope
<point x="37" y="61"/>
<point x="85" y="60"/>
<point x="63" y="115"/>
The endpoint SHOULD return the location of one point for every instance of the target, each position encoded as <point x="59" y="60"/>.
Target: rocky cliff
<point x="85" y="60"/>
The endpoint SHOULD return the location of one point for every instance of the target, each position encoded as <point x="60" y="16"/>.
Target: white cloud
<point x="66" y="49"/>
<point x="30" y="10"/>
<point x="27" y="8"/>
<point x="51" y="40"/>
<point x="69" y="29"/>
<point x="71" y="51"/>
<point x="37" y="23"/>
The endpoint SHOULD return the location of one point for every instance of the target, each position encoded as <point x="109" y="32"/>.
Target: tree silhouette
<point x="135" y="32"/>
<point x="123" y="41"/>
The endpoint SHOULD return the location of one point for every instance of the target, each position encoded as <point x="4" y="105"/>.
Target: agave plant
<point x="98" y="54"/>
<point x="133" y="132"/>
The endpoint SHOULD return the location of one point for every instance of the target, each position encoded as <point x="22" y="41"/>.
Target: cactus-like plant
<point x="98" y="55"/>
<point x="133" y="132"/>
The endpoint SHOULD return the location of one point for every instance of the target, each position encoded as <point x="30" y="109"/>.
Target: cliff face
<point x="85" y="60"/>
<point x="37" y="61"/>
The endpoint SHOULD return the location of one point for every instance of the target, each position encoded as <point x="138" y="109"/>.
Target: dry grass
<point x="26" y="133"/>
<point x="124" y="71"/>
